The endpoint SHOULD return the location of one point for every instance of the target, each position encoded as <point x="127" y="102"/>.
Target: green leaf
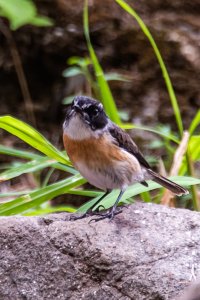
<point x="36" y="198"/>
<point x="18" y="153"/>
<point x="124" y="115"/>
<point x="49" y="209"/>
<point x="22" y="12"/>
<point x="117" y="77"/>
<point x="137" y="189"/>
<point x="72" y="71"/>
<point x="194" y="147"/>
<point x="80" y="61"/>
<point x="18" y="12"/>
<point x="68" y="100"/>
<point x="32" y="137"/>
<point x="30" y="155"/>
<point x="195" y="122"/>
<point x="41" y="21"/>
<point x="87" y="193"/>
<point x="29" y="167"/>
<point x="146" y="197"/>
<point x="193" y="151"/>
<point x="89" y="204"/>
<point x="13" y="194"/>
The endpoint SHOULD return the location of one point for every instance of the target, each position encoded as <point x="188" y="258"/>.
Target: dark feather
<point x="124" y="141"/>
<point x="144" y="183"/>
<point x="168" y="184"/>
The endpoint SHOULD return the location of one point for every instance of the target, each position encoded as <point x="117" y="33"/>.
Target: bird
<point x="105" y="154"/>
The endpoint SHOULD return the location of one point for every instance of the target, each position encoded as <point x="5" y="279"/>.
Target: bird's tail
<point x="168" y="184"/>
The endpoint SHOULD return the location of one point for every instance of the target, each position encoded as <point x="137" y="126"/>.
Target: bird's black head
<point x="91" y="112"/>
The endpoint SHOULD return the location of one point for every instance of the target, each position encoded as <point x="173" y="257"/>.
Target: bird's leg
<point x="90" y="211"/>
<point x="112" y="212"/>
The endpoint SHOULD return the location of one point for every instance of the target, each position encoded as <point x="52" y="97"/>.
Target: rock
<point x="192" y="293"/>
<point x="148" y="252"/>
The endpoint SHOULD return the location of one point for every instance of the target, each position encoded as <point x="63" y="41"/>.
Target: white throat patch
<point x="78" y="130"/>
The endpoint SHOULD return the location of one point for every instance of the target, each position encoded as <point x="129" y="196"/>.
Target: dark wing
<point x="123" y="140"/>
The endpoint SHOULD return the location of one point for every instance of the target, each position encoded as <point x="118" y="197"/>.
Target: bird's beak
<point x="77" y="109"/>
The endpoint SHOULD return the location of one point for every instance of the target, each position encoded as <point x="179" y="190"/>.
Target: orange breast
<point x="99" y="151"/>
<point x="102" y="163"/>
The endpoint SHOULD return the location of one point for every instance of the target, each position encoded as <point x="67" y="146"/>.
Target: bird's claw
<point x="85" y="215"/>
<point x="88" y="213"/>
<point x="108" y="215"/>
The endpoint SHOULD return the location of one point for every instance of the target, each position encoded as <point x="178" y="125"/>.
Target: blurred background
<point x="37" y="79"/>
<point x="121" y="48"/>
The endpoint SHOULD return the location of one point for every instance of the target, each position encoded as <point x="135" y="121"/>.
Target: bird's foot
<point x="87" y="214"/>
<point x="110" y="214"/>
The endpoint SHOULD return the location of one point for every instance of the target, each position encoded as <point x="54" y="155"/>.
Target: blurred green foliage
<point x="82" y="66"/>
<point x="22" y="12"/>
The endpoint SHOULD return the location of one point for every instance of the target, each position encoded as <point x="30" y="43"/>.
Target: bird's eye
<point x="92" y="111"/>
<point x="95" y="112"/>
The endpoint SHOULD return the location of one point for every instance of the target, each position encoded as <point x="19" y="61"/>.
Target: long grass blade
<point x="33" y="156"/>
<point x="18" y="153"/>
<point x="193" y="150"/>
<point x="13" y="194"/>
<point x="106" y="95"/>
<point x="29" y="167"/>
<point x="165" y="73"/>
<point x="49" y="210"/>
<point x="168" y="136"/>
<point x="195" y="122"/>
<point x="36" y="198"/>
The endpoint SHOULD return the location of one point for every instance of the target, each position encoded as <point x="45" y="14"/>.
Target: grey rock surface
<point x="148" y="252"/>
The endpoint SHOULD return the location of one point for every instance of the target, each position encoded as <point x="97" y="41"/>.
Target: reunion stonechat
<point x="105" y="154"/>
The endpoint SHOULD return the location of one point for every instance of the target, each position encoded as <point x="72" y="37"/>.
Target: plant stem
<point x="191" y="172"/>
<point x="20" y="72"/>
<point x="165" y="73"/>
